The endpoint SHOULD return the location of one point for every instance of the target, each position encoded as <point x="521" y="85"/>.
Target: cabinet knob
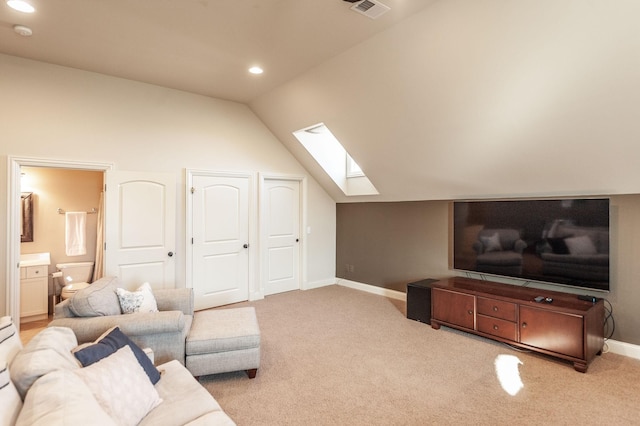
<point x="495" y="327"/>
<point x="470" y="312"/>
<point x="495" y="309"/>
<point x="524" y="325"/>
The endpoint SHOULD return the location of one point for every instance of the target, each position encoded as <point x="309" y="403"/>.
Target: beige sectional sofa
<point x="48" y="386"/>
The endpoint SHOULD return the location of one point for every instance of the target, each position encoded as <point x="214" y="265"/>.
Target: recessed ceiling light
<point x="256" y="70"/>
<point x="21" y="5"/>
<point x="22" y="30"/>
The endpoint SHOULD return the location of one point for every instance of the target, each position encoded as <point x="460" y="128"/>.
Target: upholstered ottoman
<point x="223" y="340"/>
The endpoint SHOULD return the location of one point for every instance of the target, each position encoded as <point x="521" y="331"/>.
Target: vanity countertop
<point x="35" y="259"/>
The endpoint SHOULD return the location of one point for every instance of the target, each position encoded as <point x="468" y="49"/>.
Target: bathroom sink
<point x="35" y="259"/>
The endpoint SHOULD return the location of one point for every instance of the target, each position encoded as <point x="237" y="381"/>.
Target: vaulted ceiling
<point x="199" y="46"/>
<point x="434" y="100"/>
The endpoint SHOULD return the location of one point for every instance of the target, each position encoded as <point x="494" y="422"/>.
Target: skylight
<point x="335" y="160"/>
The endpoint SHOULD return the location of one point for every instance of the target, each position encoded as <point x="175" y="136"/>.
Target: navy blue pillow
<point x="558" y="245"/>
<point x="108" y="345"/>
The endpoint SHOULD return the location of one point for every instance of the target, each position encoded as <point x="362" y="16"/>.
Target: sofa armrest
<point x="519" y="246"/>
<point x="88" y="329"/>
<point x="175" y="299"/>
<point x="61" y="310"/>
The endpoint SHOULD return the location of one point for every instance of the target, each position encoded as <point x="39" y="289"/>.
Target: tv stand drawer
<point x="497" y="308"/>
<point x="497" y="327"/>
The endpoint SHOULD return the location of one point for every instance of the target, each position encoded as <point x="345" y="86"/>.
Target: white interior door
<point x="220" y="239"/>
<point x="140" y="232"/>
<point x="281" y="219"/>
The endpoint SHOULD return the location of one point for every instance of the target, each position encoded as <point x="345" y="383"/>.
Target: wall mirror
<point x="26" y="234"/>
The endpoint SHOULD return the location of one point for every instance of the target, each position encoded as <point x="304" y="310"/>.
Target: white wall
<point x="52" y="112"/>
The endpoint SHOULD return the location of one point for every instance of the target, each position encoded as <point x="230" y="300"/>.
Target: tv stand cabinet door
<point x="453" y="308"/>
<point x="554" y="331"/>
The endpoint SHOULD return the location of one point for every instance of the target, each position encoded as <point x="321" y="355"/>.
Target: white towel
<point x="75" y="233"/>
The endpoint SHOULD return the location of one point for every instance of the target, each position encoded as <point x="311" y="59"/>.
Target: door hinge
<point x="191" y="240"/>
<point x="193" y="190"/>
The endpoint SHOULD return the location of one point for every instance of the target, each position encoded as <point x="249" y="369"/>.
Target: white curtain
<point x="97" y="268"/>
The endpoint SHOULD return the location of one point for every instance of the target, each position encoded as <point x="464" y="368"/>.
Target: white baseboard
<point x="613" y="346"/>
<point x="317" y="284"/>
<point x="622" y="348"/>
<point x="392" y="294"/>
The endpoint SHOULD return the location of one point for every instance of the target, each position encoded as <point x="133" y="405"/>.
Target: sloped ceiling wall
<point x="472" y="99"/>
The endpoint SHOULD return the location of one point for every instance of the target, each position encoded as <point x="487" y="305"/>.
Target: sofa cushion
<point x="183" y="398"/>
<point x="121" y="386"/>
<point x="62" y="398"/>
<point x="99" y="299"/>
<point x="141" y="300"/>
<point x="47" y="351"/>
<point x="107" y="344"/>
<point x="10" y="402"/>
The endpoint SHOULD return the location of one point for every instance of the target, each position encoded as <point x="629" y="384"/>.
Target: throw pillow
<point x="121" y="387"/>
<point x="581" y="245"/>
<point x="10" y="402"/>
<point x="491" y="243"/>
<point x="141" y="300"/>
<point x="99" y="299"/>
<point x="107" y="344"/>
<point x="10" y="342"/>
<point x="47" y="351"/>
<point x="558" y="245"/>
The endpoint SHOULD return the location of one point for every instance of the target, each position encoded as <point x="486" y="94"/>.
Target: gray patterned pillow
<point x="141" y="300"/>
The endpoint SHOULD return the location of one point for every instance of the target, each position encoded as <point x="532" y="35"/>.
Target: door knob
<point x="297" y="239"/>
<point x="245" y="246"/>
<point x="170" y="254"/>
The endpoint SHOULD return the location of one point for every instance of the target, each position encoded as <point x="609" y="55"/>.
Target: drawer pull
<point x="524" y="325"/>
<point x="495" y="309"/>
<point x="495" y="327"/>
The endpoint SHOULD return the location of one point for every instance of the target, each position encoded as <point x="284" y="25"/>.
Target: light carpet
<point x="338" y="356"/>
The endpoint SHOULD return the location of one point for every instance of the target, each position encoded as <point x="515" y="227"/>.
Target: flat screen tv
<point x="557" y="241"/>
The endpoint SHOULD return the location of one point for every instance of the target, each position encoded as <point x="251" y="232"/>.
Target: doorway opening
<point x="17" y="166"/>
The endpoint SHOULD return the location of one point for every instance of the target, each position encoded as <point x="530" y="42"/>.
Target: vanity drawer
<point x="497" y="327"/>
<point x="497" y="308"/>
<point x="36" y="271"/>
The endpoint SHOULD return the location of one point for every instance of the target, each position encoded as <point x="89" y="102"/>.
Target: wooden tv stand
<point x="567" y="327"/>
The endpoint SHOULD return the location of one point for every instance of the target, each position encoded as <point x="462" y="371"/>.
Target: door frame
<point x="14" y="167"/>
<point x="302" y="270"/>
<point x="254" y="293"/>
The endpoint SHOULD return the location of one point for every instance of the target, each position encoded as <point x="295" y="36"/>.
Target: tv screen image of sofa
<point x="559" y="241"/>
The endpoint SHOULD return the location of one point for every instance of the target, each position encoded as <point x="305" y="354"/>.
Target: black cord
<point x="609" y="318"/>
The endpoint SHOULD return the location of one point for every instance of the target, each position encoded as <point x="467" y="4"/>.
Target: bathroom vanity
<point x="34" y="286"/>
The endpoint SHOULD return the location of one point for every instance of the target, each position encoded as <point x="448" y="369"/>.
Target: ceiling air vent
<point x="370" y="8"/>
